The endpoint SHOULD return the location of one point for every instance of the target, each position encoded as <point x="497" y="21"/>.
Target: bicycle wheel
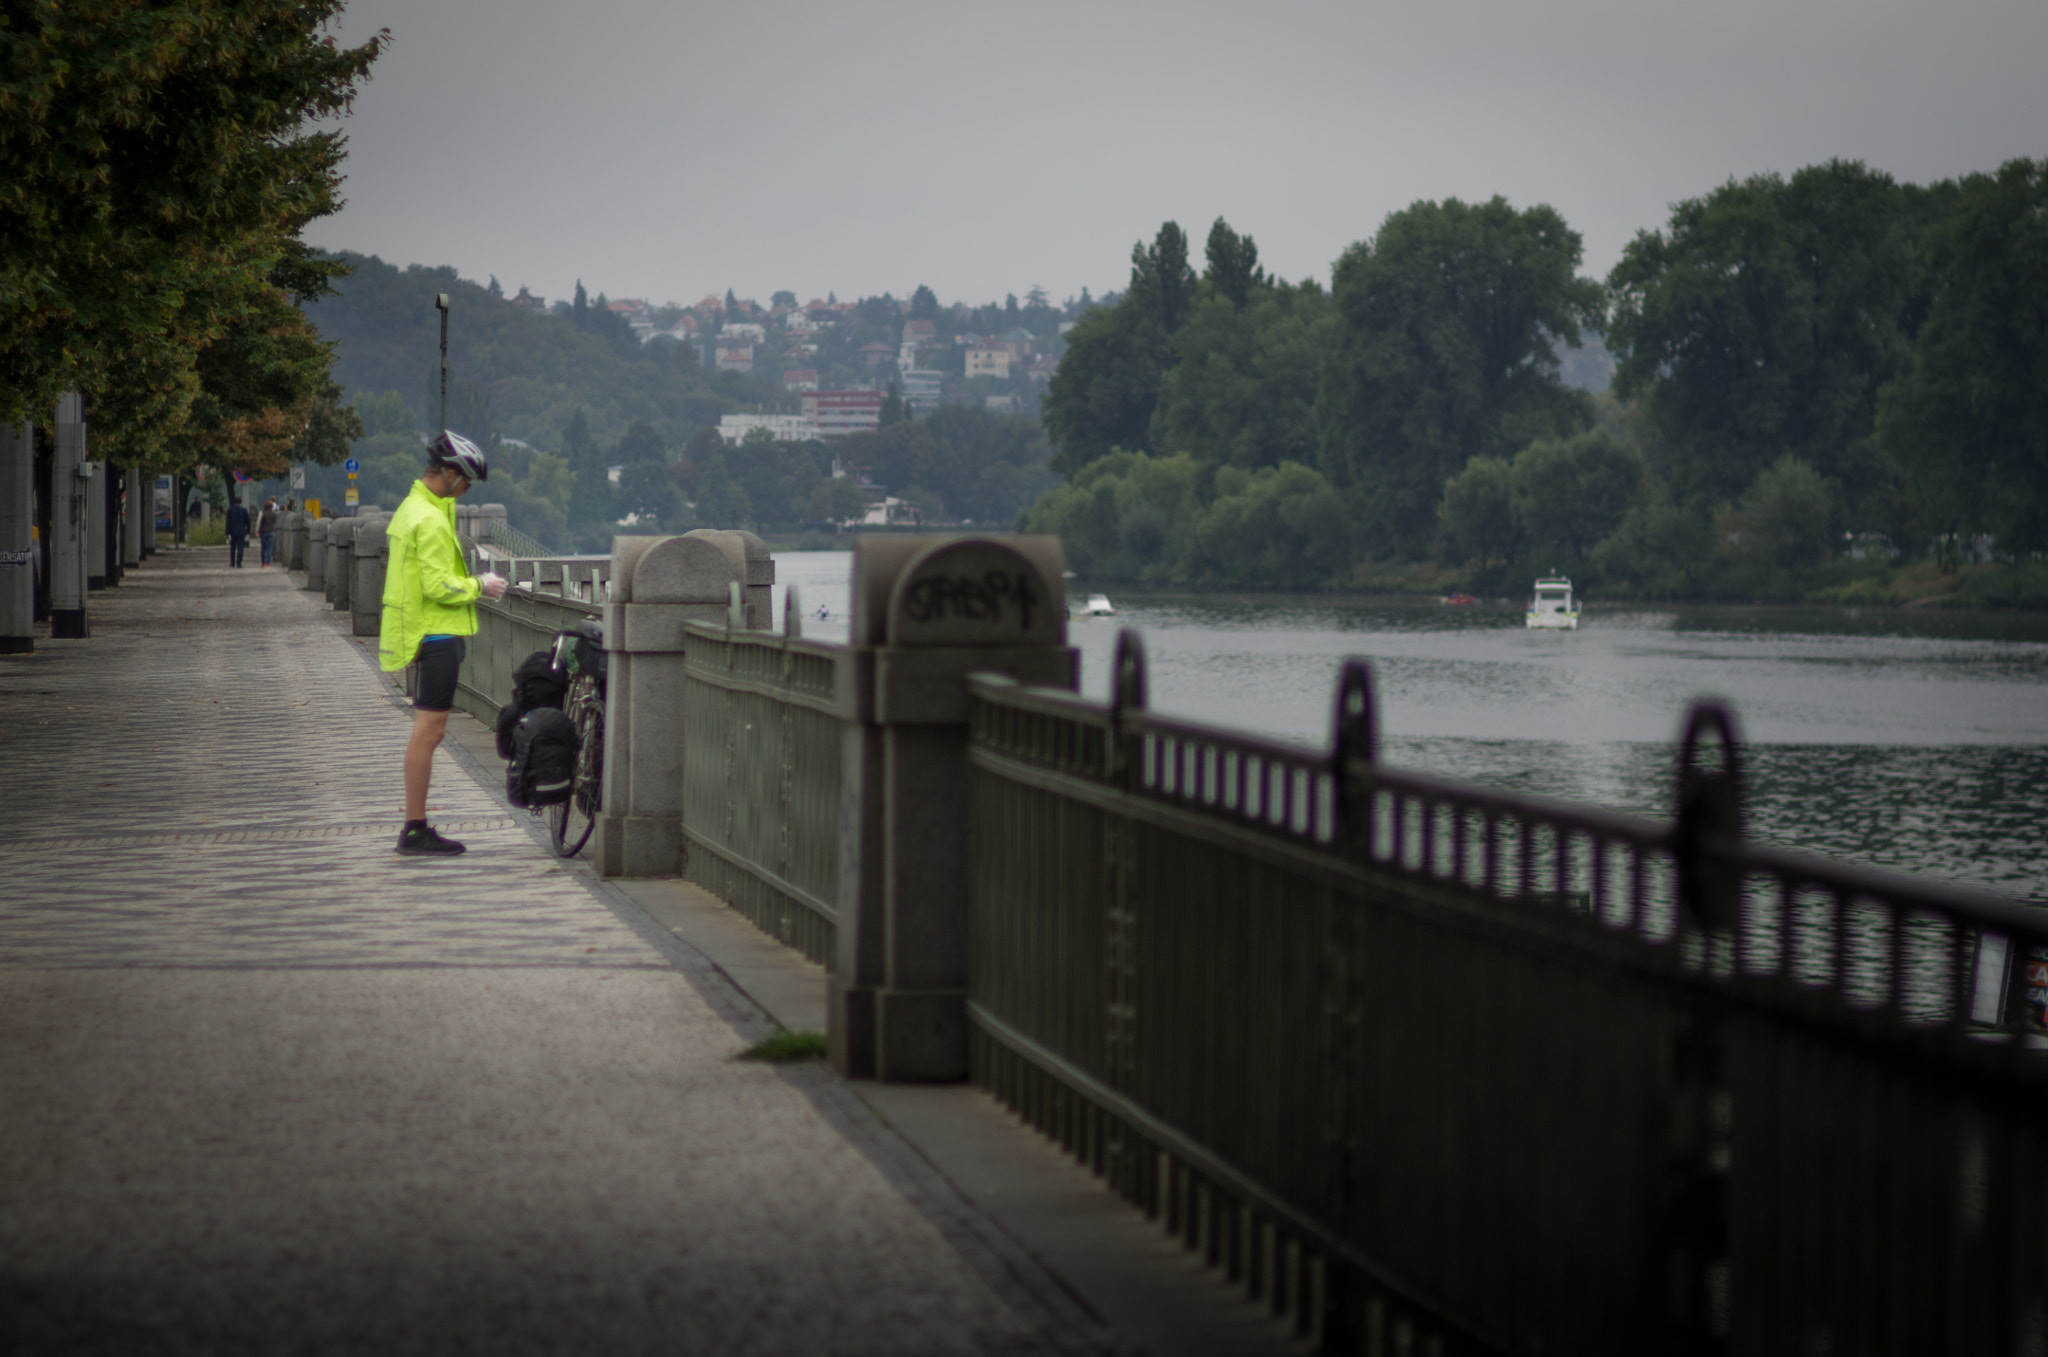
<point x="570" y="822"/>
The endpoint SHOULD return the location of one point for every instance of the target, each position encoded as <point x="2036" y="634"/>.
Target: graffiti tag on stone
<point x="987" y="597"/>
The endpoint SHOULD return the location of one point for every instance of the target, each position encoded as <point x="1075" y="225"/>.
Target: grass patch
<point x="786" y="1046"/>
<point x="210" y="534"/>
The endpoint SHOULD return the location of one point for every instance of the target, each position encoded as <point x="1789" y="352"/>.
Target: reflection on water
<point x="1966" y="813"/>
<point x="1916" y="741"/>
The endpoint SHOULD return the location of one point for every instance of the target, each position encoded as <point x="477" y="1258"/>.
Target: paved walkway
<point x="266" y="1087"/>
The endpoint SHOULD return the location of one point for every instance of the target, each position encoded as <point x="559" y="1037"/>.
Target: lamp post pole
<point x="441" y="305"/>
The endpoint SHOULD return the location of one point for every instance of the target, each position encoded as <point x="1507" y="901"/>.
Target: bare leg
<point x="427" y="729"/>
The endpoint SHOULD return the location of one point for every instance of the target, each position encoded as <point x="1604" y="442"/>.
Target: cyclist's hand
<point x="493" y="585"/>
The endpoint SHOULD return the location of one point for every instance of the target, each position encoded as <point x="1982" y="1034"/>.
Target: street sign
<point x="352" y="466"/>
<point x="298" y="478"/>
<point x="312" y="508"/>
<point x="350" y="497"/>
<point x="241" y="476"/>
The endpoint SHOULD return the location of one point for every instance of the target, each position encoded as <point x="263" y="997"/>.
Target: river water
<point x="1916" y="741"/>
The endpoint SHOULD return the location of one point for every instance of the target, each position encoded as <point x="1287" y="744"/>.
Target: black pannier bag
<point x="543" y="767"/>
<point x="508" y="719"/>
<point x="535" y="683"/>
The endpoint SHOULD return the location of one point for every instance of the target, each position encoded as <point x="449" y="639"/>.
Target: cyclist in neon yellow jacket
<point x="429" y="606"/>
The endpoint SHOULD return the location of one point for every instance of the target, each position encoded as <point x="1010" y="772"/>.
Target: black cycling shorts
<point x="438" y="662"/>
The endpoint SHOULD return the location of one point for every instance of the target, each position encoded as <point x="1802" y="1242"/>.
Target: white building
<point x="782" y="428"/>
<point x="921" y="389"/>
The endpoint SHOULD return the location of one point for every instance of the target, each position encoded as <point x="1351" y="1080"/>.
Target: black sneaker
<point x="424" y="842"/>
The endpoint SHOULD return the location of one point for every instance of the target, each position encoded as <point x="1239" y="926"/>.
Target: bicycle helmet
<point x="457" y="453"/>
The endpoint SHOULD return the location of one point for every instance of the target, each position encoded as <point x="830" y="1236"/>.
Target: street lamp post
<point x="441" y="305"/>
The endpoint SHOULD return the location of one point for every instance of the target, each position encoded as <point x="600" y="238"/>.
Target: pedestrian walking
<point x="238" y="532"/>
<point x="429" y="606"/>
<point x="266" y="529"/>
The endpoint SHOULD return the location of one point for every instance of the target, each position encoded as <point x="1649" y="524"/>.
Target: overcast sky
<point x="667" y="150"/>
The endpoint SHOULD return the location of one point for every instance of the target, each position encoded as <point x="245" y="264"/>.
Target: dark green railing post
<point x="1354" y="754"/>
<point x="1128" y="694"/>
<point x="1705" y="840"/>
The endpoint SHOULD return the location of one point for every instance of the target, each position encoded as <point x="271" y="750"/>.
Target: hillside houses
<point x="999" y="357"/>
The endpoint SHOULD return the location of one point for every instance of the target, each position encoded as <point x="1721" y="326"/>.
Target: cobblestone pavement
<point x="270" y="1088"/>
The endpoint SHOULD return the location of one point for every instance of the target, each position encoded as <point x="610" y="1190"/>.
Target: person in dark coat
<point x="238" y="532"/>
<point x="266" y="530"/>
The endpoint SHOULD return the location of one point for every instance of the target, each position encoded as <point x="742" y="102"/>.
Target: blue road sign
<point x="352" y="465"/>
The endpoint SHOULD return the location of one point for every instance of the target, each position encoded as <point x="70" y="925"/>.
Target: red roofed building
<point x="800" y="379"/>
<point x="838" y="413"/>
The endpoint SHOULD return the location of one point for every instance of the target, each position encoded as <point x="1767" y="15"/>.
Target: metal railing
<point x="1437" y="1069"/>
<point x="507" y="631"/>
<point x="512" y="542"/>
<point x="761" y="791"/>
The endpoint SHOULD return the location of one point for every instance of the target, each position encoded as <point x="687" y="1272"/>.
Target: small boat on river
<point x="1097" y="606"/>
<point x="1552" y="608"/>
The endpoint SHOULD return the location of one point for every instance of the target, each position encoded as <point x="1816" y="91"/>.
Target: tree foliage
<point x="1242" y="389"/>
<point x="960" y="463"/>
<point x="1764" y="320"/>
<point x="1108" y="384"/>
<point x="1447" y="327"/>
<point x="1571" y="493"/>
<point x="1233" y="263"/>
<point x="1968" y="422"/>
<point x="1782" y="522"/>
<point x="1793" y="358"/>
<point x="1172" y="520"/>
<point x="1553" y="504"/>
<point x="157" y="162"/>
<point x="1478" y="512"/>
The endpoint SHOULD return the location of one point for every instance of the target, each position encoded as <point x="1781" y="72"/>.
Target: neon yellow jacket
<point x="428" y="590"/>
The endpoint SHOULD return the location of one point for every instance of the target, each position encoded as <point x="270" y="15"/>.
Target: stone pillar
<point x="759" y="580"/>
<point x="341" y="540"/>
<point x="489" y="518"/>
<point x="926" y="614"/>
<point x="316" y="553"/>
<point x="658" y="583"/>
<point x="136" y="511"/>
<point x="96" y="515"/>
<point x="366" y="588"/>
<point x="17" y="540"/>
<point x="68" y="521"/>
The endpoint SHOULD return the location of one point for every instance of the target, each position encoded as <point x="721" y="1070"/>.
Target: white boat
<point x="1098" y="605"/>
<point x="1552" y="607"/>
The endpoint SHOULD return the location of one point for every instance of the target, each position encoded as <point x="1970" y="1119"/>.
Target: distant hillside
<point x="535" y="369"/>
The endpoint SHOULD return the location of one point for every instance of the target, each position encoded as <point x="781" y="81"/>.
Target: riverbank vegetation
<point x="1828" y="387"/>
